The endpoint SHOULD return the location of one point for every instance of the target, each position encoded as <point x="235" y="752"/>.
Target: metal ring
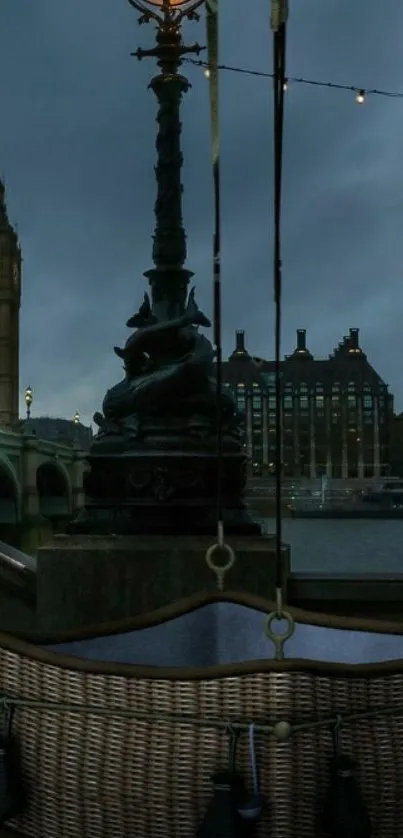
<point x="220" y="570"/>
<point x="279" y="639"/>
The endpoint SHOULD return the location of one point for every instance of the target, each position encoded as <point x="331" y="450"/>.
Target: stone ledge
<point x="84" y="580"/>
<point x="346" y="586"/>
<point x="374" y="595"/>
<point x="141" y="542"/>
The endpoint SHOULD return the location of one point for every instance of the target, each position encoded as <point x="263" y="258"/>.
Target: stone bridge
<point x="38" y="479"/>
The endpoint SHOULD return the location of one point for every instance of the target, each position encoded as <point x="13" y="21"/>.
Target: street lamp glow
<point x="168" y="3"/>
<point x="168" y="7"/>
<point x="76" y="418"/>
<point x="28" y="400"/>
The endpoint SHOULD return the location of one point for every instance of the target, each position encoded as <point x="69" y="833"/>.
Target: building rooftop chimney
<point x="240" y="342"/>
<point x="301" y="340"/>
<point x="4" y="222"/>
<point x="301" y="351"/>
<point x="354" y="338"/>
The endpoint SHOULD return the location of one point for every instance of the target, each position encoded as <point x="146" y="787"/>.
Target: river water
<point x="342" y="546"/>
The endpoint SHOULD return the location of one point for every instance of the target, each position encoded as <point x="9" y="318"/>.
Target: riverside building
<point x="337" y="413"/>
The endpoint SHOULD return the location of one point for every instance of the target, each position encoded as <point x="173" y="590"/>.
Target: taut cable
<point x="279" y="13"/>
<point x="270" y="725"/>
<point x="212" y="47"/>
<point x="279" y="41"/>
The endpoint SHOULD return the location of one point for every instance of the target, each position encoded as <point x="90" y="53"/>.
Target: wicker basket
<point x="95" y="773"/>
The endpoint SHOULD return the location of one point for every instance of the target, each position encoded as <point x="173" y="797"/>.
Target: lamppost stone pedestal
<point x="88" y="580"/>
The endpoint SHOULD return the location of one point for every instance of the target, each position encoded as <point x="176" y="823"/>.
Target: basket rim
<point x="30" y="645"/>
<point x="192" y="603"/>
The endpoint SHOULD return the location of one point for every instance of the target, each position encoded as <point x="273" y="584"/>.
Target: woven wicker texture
<point x="102" y="777"/>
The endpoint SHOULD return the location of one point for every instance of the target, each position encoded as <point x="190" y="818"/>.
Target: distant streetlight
<point x="76" y="422"/>
<point x="28" y="400"/>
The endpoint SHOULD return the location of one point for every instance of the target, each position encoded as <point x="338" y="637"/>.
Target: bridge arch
<point x="10" y="495"/>
<point x="54" y="489"/>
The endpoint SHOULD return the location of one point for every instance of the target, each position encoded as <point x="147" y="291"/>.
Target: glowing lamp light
<point x="183" y="6"/>
<point x="285" y="85"/>
<point x="168" y="3"/>
<point x="207" y="73"/>
<point x="360" y="97"/>
<point x="28" y="396"/>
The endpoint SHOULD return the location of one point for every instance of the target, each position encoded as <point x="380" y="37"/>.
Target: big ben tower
<point x="10" y="301"/>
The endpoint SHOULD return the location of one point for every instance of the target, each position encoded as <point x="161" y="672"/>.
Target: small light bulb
<point x="207" y="73"/>
<point x="285" y="85"/>
<point x="360" y="98"/>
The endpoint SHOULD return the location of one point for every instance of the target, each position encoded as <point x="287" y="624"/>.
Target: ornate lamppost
<point x="154" y="458"/>
<point x="29" y="396"/>
<point x="168" y="279"/>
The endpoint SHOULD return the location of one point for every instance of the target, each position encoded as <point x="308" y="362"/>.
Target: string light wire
<point x="360" y="92"/>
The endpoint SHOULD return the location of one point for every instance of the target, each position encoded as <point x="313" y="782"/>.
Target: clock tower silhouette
<point x="10" y="302"/>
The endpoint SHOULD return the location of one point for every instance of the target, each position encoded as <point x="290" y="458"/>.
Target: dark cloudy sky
<point x="77" y="150"/>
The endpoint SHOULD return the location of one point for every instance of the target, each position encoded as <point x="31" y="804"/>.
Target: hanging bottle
<point x="251" y="809"/>
<point x="222" y="819"/>
<point x="12" y="791"/>
<point x="345" y="813"/>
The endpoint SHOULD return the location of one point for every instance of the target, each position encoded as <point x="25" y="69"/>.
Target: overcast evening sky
<point x="77" y="151"/>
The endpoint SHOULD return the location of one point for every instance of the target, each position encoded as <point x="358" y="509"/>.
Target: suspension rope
<point x="281" y="729"/>
<point x="278" y="23"/>
<point x="212" y="47"/>
<point x="279" y="14"/>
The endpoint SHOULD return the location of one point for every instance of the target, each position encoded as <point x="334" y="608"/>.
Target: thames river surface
<point x="337" y="546"/>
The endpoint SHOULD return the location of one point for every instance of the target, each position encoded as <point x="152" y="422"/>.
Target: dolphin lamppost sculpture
<point x="154" y="459"/>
